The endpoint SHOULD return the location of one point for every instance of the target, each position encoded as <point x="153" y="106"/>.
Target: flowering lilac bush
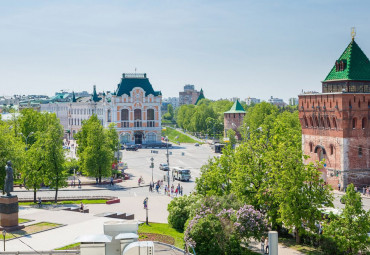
<point x="221" y="232"/>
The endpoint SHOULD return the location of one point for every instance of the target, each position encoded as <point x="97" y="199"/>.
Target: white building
<point x="252" y="100"/>
<point x="293" y="101"/>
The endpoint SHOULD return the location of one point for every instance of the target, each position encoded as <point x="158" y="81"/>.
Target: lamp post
<point x="26" y="137"/>
<point x="168" y="164"/>
<point x="4" y="234"/>
<point x="152" y="166"/>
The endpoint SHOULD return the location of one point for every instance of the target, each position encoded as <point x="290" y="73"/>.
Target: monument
<point x="9" y="203"/>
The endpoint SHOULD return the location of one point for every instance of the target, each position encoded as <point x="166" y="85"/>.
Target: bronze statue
<point x="8" y="186"/>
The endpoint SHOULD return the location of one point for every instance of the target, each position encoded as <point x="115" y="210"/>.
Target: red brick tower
<point x="233" y="118"/>
<point x="335" y="123"/>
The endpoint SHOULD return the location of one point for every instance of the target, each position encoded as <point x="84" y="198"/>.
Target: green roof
<point x="201" y="96"/>
<point x="357" y="65"/>
<point x="130" y="81"/>
<point x="236" y="108"/>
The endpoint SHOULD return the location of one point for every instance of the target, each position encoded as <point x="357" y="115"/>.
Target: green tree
<point x="231" y="135"/>
<point x="11" y="148"/>
<point x="112" y="137"/>
<point x="94" y="149"/>
<point x="56" y="171"/>
<point x="350" y="230"/>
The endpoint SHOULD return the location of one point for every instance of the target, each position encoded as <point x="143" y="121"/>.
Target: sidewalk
<point x="343" y="193"/>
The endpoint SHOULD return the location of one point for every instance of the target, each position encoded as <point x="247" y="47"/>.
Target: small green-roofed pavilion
<point x="236" y="108"/>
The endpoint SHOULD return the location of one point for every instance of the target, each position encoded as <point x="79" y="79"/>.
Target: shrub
<point x="179" y="210"/>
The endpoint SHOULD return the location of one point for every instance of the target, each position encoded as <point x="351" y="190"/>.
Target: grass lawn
<point x="163" y="229"/>
<point x="74" y="246"/>
<point x="173" y="133"/>
<point x="99" y="201"/>
<point x="32" y="229"/>
<point x="290" y="242"/>
<point x="22" y="220"/>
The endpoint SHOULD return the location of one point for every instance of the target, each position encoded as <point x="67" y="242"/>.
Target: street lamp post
<point x="26" y="137"/>
<point x="152" y="166"/>
<point x="168" y="164"/>
<point x="4" y="234"/>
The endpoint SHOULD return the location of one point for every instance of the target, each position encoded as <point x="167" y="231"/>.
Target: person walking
<point x="338" y="186"/>
<point x="79" y="183"/>
<point x="263" y="244"/>
<point x="111" y="181"/>
<point x="177" y="190"/>
<point x="267" y="245"/>
<point x="181" y="190"/>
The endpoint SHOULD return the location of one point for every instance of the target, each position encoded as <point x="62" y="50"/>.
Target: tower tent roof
<point x="354" y="65"/>
<point x="201" y="96"/>
<point x="236" y="108"/>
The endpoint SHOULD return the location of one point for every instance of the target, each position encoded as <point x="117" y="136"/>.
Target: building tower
<point x="335" y="123"/>
<point x="233" y="118"/>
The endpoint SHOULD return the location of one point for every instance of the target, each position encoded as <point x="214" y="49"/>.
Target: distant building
<point x="174" y="101"/>
<point x="234" y="99"/>
<point x="252" y="100"/>
<point x="233" y="118"/>
<point x="293" y="101"/>
<point x="335" y="123"/>
<point x="189" y="95"/>
<point x="276" y="101"/>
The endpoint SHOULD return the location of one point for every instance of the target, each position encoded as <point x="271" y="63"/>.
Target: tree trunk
<point x="34" y="194"/>
<point x="99" y="175"/>
<point x="297" y="236"/>
<point x="56" y="195"/>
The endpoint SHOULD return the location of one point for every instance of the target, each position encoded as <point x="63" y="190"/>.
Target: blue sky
<point x="229" y="48"/>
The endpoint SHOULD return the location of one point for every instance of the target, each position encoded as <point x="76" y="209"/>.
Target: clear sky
<point x="229" y="48"/>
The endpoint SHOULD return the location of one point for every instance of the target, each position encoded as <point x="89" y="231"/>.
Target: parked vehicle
<point x="164" y="167"/>
<point x="181" y="174"/>
<point x="131" y="148"/>
<point x="139" y="146"/>
<point x="197" y="144"/>
<point x="122" y="147"/>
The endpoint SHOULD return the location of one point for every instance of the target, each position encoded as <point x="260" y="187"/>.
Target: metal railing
<point x="150" y="123"/>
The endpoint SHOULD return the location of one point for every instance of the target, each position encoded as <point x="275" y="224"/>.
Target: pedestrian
<point x="111" y="181"/>
<point x="157" y="188"/>
<point x="181" y="190"/>
<point x="81" y="207"/>
<point x="263" y="243"/>
<point x="97" y="180"/>
<point x="165" y="189"/>
<point x="338" y="186"/>
<point x="150" y="187"/>
<point x="79" y="183"/>
<point x="177" y="190"/>
<point x="267" y="245"/>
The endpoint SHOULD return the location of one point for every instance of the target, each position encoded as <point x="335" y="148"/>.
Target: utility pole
<point x="168" y="164"/>
<point x="152" y="166"/>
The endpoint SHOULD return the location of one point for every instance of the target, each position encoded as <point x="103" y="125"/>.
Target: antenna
<point x="353" y="33"/>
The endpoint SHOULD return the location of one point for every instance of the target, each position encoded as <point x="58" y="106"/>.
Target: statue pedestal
<point x="9" y="213"/>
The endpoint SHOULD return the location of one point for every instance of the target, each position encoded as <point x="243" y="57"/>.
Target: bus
<point x="181" y="174"/>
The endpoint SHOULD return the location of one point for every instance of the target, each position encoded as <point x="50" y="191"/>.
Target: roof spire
<point x="353" y="33"/>
<point x="95" y="97"/>
<point x="73" y="97"/>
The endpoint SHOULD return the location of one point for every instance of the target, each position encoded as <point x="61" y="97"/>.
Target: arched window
<point x="137" y="118"/>
<point x="125" y="138"/>
<point x="334" y="123"/>
<point x="354" y="123"/>
<point x="311" y="147"/>
<point x="363" y="123"/>
<point x="360" y="151"/>
<point x="150" y="118"/>
<point x="109" y="115"/>
<point x="137" y="114"/>
<point x="331" y="149"/>
<point x="124" y="118"/>
<point x="328" y="122"/>
<point x="151" y="138"/>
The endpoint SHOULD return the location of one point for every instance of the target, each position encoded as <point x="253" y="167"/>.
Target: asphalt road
<point x="187" y="156"/>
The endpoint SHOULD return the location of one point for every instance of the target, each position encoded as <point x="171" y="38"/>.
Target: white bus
<point x="181" y="174"/>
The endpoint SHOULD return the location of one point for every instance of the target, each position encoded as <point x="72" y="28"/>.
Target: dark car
<point x="131" y="148"/>
<point x="122" y="147"/>
<point x="139" y="146"/>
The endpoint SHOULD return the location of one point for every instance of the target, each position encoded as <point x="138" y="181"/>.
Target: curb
<point x="120" y="188"/>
